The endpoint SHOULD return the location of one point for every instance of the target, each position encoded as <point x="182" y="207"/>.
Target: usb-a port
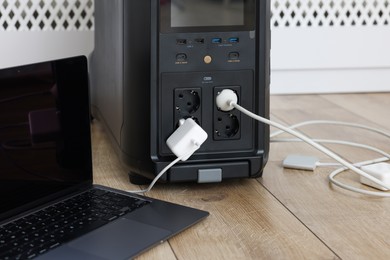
<point x="216" y="40"/>
<point x="234" y="39"/>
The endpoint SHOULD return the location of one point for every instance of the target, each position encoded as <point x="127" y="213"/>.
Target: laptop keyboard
<point x="37" y="233"/>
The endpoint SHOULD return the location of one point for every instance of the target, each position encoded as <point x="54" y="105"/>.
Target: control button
<point x="181" y="57"/>
<point x="234" y="55"/>
<point x="207" y="59"/>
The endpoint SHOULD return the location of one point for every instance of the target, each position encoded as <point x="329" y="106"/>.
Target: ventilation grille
<point x="44" y="15"/>
<point x="328" y="13"/>
<point x="27" y="15"/>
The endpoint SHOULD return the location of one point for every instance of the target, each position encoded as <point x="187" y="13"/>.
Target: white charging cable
<point x="378" y="168"/>
<point x="331" y="122"/>
<point x="158" y="176"/>
<point x="326" y="141"/>
<point x="350" y="188"/>
<point x="184" y="141"/>
<point x="227" y="100"/>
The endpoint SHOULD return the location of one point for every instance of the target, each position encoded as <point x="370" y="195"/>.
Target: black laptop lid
<point x="45" y="145"/>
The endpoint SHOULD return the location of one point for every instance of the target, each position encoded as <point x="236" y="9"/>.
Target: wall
<point x="38" y="30"/>
<point x="321" y="46"/>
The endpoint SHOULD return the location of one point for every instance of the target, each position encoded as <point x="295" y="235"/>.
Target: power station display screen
<point x="207" y="15"/>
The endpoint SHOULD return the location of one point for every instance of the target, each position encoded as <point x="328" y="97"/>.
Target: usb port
<point x="216" y="40"/>
<point x="199" y="40"/>
<point x="181" y="41"/>
<point x="181" y="57"/>
<point x="234" y="39"/>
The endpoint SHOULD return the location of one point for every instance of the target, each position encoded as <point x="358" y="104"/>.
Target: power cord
<point x="158" y="176"/>
<point x="366" y="192"/>
<point x="377" y="167"/>
<point x="187" y="138"/>
<point x="331" y="122"/>
<point x="326" y="141"/>
<point x="227" y="100"/>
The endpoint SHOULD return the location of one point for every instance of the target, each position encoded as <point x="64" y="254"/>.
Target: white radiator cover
<point x="318" y="46"/>
<point x="38" y="30"/>
<point x="322" y="46"/>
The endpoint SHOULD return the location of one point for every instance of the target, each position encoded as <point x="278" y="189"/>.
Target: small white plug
<point x="188" y="137"/>
<point x="225" y="99"/>
<point x="380" y="171"/>
<point x="300" y="162"/>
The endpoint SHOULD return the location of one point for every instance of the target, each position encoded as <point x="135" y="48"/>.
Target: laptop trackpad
<point x="120" y="239"/>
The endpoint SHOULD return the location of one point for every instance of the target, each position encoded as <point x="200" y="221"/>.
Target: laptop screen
<point x="45" y="145"/>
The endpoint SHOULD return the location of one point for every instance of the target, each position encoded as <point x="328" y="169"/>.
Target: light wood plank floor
<point x="286" y="214"/>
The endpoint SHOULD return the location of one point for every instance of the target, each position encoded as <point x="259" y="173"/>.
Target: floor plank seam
<point x="295" y="216"/>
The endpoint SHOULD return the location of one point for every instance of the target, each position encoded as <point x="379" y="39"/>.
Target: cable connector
<point x="186" y="139"/>
<point x="380" y="171"/>
<point x="300" y="162"/>
<point x="225" y="99"/>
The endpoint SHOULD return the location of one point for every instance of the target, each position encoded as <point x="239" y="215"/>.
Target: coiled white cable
<point x="312" y="143"/>
<point x="330" y="122"/>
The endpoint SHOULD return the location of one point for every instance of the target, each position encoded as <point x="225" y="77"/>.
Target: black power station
<point x="158" y="61"/>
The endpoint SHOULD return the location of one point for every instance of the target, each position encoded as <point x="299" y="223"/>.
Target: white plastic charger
<point x="188" y="137"/>
<point x="380" y="171"/>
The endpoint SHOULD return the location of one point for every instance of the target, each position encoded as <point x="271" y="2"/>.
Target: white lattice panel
<point x="78" y="14"/>
<point x="321" y="46"/>
<point x="325" y="13"/>
<point x="43" y="15"/>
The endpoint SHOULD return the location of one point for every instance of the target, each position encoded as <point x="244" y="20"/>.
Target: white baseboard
<point x="330" y="59"/>
<point x="330" y="81"/>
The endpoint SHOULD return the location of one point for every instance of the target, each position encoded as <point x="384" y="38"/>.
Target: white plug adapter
<point x="188" y="137"/>
<point x="224" y="99"/>
<point x="380" y="171"/>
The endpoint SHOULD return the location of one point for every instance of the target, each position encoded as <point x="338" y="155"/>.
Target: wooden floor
<point x="286" y="214"/>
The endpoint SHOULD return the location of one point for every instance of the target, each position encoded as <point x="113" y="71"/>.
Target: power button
<point x="207" y="59"/>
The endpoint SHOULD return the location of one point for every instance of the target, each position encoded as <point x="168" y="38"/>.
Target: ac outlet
<point x="226" y="124"/>
<point x="187" y="104"/>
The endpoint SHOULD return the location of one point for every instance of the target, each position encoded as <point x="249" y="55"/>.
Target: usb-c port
<point x="181" y="41"/>
<point x="199" y="40"/>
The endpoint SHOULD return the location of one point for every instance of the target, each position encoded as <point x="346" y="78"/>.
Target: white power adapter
<point x="380" y="171"/>
<point x="186" y="139"/>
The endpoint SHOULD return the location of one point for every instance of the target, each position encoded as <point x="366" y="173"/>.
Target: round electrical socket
<point x="187" y="101"/>
<point x="226" y="126"/>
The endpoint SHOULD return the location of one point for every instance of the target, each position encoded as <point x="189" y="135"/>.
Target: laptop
<point x="49" y="207"/>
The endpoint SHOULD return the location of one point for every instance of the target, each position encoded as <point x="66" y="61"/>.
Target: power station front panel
<point x="204" y="47"/>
